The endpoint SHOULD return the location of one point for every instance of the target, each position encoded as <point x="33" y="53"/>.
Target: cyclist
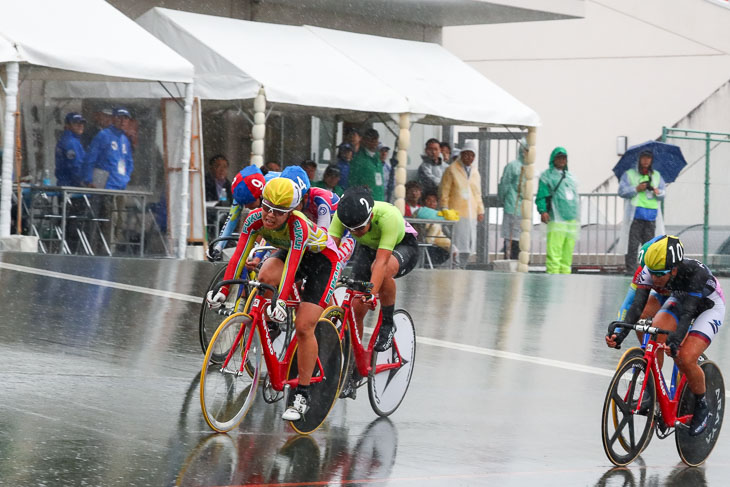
<point x="386" y="249"/>
<point x="318" y="204"/>
<point x="246" y="187"/>
<point x="305" y="251"/>
<point x="695" y="295"/>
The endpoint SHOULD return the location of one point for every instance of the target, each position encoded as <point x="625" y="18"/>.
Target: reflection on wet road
<point x="100" y="376"/>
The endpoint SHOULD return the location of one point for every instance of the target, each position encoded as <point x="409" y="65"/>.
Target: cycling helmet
<point x="271" y="175"/>
<point x="248" y="185"/>
<point x="282" y="193"/>
<point x="355" y="207"/>
<point x="664" y="254"/>
<point x="298" y="175"/>
<point x="645" y="247"/>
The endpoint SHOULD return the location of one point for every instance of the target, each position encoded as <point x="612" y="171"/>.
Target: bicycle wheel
<point x="322" y="395"/>
<point x="631" y="352"/>
<point x="387" y="389"/>
<point x="226" y="393"/>
<point x="623" y="442"/>
<point x="210" y="319"/>
<point x="336" y="315"/>
<point x="694" y="450"/>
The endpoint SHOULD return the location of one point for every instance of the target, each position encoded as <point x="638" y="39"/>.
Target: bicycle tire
<point x="694" y="450"/>
<point x="322" y="395"/>
<point x="631" y="352"/>
<point x="621" y="397"/>
<point x="226" y="395"/>
<point x="336" y="315"/>
<point x="387" y="389"/>
<point x="210" y="319"/>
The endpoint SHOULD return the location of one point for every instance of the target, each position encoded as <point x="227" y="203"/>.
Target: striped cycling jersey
<point x="298" y="235"/>
<point x="320" y="206"/>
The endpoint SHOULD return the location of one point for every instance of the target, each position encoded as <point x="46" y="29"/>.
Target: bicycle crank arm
<point x="225" y="311"/>
<point x="237" y="373"/>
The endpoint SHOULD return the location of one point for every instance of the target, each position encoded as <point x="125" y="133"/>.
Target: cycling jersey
<point x="298" y="235"/>
<point x="320" y="206"/>
<point x="387" y="228"/>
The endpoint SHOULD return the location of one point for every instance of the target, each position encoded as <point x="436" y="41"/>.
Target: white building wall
<point x="628" y="68"/>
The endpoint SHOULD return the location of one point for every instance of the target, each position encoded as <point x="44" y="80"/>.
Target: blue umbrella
<point x="668" y="159"/>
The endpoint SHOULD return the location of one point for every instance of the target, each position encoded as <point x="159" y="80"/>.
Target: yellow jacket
<point x="460" y="193"/>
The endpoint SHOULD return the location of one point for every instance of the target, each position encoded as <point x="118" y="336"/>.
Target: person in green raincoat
<point x="559" y="206"/>
<point x="510" y="190"/>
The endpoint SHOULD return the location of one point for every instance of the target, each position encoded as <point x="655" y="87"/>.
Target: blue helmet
<point x="299" y="176"/>
<point x="271" y="175"/>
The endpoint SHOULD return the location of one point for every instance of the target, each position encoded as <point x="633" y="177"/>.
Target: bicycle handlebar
<point x="362" y="286"/>
<point x="232" y="238"/>
<point x="644" y="326"/>
<point x="248" y="282"/>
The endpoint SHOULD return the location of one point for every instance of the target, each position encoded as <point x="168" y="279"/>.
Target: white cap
<point x="470" y="145"/>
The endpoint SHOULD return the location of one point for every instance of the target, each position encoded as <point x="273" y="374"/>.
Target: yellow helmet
<point x="282" y="192"/>
<point x="664" y="254"/>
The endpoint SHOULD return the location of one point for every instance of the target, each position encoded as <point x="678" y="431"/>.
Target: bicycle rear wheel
<point x="322" y="395"/>
<point x="210" y="319"/>
<point x="226" y="393"/>
<point x="624" y="441"/>
<point x="387" y="389"/>
<point x="694" y="450"/>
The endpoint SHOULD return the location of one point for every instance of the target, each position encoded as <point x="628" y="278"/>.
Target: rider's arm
<point x="379" y="268"/>
<point x="627" y="303"/>
<point x="690" y="304"/>
<point x="299" y="234"/>
<point x="245" y="243"/>
<point x="324" y="213"/>
<point x="229" y="226"/>
<point x="640" y="299"/>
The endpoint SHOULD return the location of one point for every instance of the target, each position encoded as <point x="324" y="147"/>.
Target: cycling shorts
<point x="707" y="324"/>
<point x="321" y="274"/>
<point x="406" y="253"/>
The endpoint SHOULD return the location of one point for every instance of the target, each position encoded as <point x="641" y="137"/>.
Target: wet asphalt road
<point x="100" y="387"/>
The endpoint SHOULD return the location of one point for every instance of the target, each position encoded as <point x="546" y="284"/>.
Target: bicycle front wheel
<point x="210" y="319"/>
<point x="322" y="394"/>
<point x="387" y="389"/>
<point x="694" y="450"/>
<point x="626" y="433"/>
<point x="227" y="392"/>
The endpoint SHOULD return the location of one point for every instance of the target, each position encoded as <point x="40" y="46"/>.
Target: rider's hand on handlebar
<point x="253" y="264"/>
<point x="371" y="300"/>
<point x="214" y="254"/>
<point x="215" y="302"/>
<point x="614" y="341"/>
<point x="277" y="311"/>
<point x="673" y="342"/>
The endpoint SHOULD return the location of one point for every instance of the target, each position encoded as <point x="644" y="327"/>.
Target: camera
<point x="649" y="187"/>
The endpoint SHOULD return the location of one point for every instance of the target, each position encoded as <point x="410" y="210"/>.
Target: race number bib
<point x="378" y="179"/>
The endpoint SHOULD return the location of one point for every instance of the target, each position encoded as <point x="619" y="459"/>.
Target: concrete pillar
<point x="183" y="231"/>
<point x="11" y="105"/>
<point x="404" y="141"/>
<point x="527" y="204"/>
<point x="258" y="132"/>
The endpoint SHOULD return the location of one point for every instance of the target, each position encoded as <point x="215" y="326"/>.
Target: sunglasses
<point x="359" y="227"/>
<point x="660" y="273"/>
<point x="269" y="208"/>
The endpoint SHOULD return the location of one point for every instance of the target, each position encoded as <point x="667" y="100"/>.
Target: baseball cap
<point x="73" y="117"/>
<point x="121" y="112"/>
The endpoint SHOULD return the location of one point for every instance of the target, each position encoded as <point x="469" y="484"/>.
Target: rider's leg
<point x="307" y="316"/>
<point x="692" y="347"/>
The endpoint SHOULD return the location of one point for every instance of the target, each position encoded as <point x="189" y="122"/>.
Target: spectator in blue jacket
<point x="109" y="161"/>
<point x="70" y="153"/>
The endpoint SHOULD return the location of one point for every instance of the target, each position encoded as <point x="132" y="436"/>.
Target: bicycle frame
<point x="364" y="356"/>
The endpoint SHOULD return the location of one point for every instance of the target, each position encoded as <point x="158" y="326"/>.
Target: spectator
<point x="434" y="231"/>
<point x="70" y="153"/>
<point x="353" y="137"/>
<point x="413" y="198"/>
<point x="642" y="188"/>
<point x="109" y="161"/>
<point x="510" y="190"/>
<point x="388" y="172"/>
<point x="270" y="166"/>
<point x="461" y="190"/>
<point x="432" y="167"/>
<point x="310" y="167"/>
<point x="366" y="168"/>
<point x="559" y="206"/>
<point x="344" y="156"/>
<point x="217" y="184"/>
<point x="445" y="152"/>
<point x="330" y="180"/>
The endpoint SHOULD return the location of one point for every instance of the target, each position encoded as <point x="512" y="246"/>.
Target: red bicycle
<point x="227" y="390"/>
<point x="630" y="416"/>
<point x="388" y="373"/>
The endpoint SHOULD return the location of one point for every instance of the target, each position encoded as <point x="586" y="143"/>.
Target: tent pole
<point x="526" y="222"/>
<point x="11" y="105"/>
<point x="404" y="141"/>
<point x="182" y="237"/>
<point x="258" y="132"/>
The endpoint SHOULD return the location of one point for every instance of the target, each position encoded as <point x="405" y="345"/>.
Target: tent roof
<point x="233" y="58"/>
<point x="454" y="92"/>
<point x="86" y="36"/>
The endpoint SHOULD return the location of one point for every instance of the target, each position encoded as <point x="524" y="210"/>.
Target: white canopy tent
<point x="43" y="39"/>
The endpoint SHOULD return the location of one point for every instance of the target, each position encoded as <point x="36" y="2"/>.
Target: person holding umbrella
<point x="643" y="188"/>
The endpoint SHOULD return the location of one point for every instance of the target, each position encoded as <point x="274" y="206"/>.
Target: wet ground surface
<point x="100" y="387"/>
